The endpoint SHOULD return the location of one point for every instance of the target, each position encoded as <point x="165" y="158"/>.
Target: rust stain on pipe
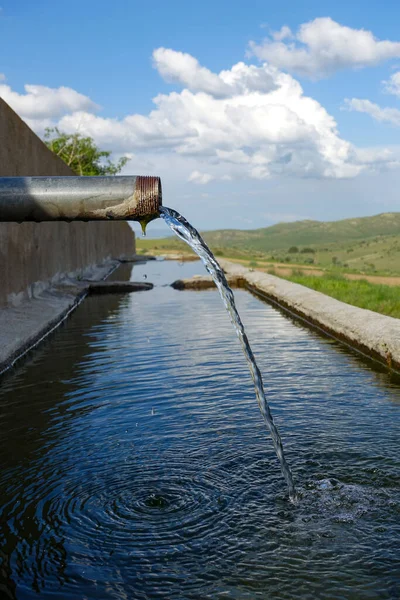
<point x="144" y="203"/>
<point x="80" y="198"/>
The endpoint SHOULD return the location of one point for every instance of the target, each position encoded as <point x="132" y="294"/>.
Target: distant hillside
<point x="302" y="233"/>
<point x="362" y="245"/>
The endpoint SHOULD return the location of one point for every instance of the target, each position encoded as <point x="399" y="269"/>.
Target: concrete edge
<point x="118" y="287"/>
<point x="204" y="282"/>
<point x="371" y="334"/>
<point x="352" y="344"/>
<point x="25" y="326"/>
<point x="184" y="257"/>
<point x="135" y="258"/>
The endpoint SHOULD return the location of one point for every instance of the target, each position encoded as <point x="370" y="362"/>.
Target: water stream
<point x="191" y="236"/>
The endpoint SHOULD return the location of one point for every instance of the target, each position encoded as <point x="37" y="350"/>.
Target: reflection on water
<point x="135" y="462"/>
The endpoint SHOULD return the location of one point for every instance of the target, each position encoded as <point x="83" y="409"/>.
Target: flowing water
<point x="134" y="463"/>
<point x="191" y="236"/>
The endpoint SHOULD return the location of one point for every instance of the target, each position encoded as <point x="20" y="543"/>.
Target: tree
<point x="81" y="153"/>
<point x="293" y="249"/>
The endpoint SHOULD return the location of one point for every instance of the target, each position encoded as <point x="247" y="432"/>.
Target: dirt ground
<point x="286" y="269"/>
<point x="375" y="278"/>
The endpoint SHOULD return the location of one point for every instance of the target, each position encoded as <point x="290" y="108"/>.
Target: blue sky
<point x="306" y="127"/>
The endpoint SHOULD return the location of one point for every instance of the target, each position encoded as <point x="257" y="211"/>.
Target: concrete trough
<point x="204" y="282"/>
<point x="372" y="334"/>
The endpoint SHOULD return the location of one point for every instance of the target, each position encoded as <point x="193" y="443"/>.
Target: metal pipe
<point x="37" y="199"/>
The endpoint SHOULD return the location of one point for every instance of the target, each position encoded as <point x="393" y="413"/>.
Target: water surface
<point x="135" y="463"/>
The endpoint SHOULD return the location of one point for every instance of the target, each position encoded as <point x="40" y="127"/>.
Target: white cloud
<point x="41" y="102"/>
<point x="323" y="46"/>
<point x="282" y="34"/>
<point x="375" y="156"/>
<point x="182" y="68"/>
<point x="200" y="178"/>
<point x="253" y="132"/>
<point x="245" y="122"/>
<point x="393" y="85"/>
<point x="384" y="115"/>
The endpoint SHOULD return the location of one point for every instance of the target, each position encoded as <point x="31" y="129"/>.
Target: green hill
<point x="302" y="233"/>
<point x="364" y="244"/>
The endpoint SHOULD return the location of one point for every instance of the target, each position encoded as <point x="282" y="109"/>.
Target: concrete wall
<point x="31" y="255"/>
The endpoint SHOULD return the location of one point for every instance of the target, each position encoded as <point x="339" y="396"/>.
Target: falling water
<point x="191" y="236"/>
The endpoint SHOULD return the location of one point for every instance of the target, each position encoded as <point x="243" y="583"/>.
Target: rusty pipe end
<point x="74" y="198"/>
<point x="148" y="197"/>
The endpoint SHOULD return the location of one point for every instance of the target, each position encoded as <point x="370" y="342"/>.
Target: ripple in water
<point x="138" y="516"/>
<point x="158" y="519"/>
<point x="153" y="510"/>
<point x="103" y="498"/>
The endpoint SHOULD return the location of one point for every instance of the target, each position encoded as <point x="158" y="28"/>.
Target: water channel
<point x="135" y="463"/>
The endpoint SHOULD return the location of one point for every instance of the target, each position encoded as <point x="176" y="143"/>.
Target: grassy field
<point x="379" y="298"/>
<point x="332" y="258"/>
<point x="368" y="245"/>
<point x="380" y="256"/>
